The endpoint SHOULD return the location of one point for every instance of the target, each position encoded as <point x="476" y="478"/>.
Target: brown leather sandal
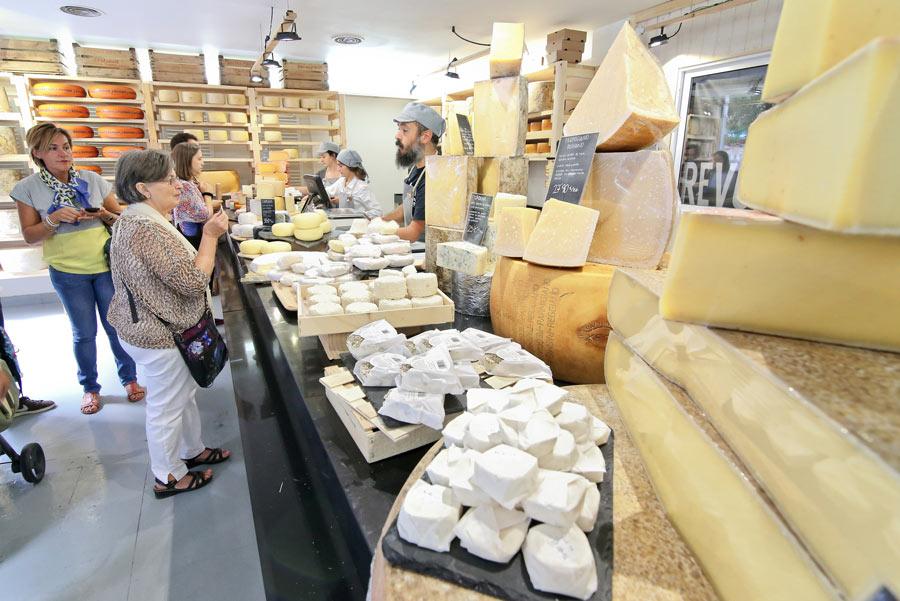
<point x="90" y="403"/>
<point x="135" y="392"/>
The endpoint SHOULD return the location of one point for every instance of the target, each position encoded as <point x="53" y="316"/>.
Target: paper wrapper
<point x="472" y="294"/>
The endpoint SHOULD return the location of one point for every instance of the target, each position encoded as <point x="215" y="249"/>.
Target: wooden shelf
<point x="291" y="92"/>
<point x="86" y="100"/>
<point x="200" y="87"/>
<point x="538" y="135"/>
<point x="207" y="159"/>
<point x="116" y="141"/>
<point x="301" y="127"/>
<point x="11" y="117"/>
<point x="13" y="158"/>
<point x="290" y="143"/>
<point x="37" y="77"/>
<point x="205" y="124"/>
<point x="544" y="156"/>
<point x="95" y="160"/>
<point x="275" y="109"/>
<point x="234" y="108"/>
<point x="310" y="160"/>
<point x="540" y="116"/>
<point x="213" y="142"/>
<point x="92" y="120"/>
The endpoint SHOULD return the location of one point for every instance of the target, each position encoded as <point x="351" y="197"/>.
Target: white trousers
<point x="173" y="420"/>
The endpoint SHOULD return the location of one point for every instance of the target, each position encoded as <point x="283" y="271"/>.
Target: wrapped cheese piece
<point x="414" y="407"/>
<point x="486" y="431"/>
<point x="590" y="463"/>
<point x="560" y="560"/>
<point x="590" y="507"/>
<point x="431" y="372"/>
<point x="514" y="362"/>
<point x="358" y="227"/>
<point x="347" y="240"/>
<point x="507" y="474"/>
<point x="516" y="416"/>
<point x="564" y="454"/>
<point x="428" y="516"/>
<point x="416" y="344"/>
<point x="539" y="437"/>
<point x="599" y="431"/>
<point x="486" y="400"/>
<point x="459" y="348"/>
<point x="439" y="469"/>
<point x="372" y="338"/>
<point x="543" y="394"/>
<point x="575" y="418"/>
<point x="492" y="532"/>
<point x="558" y="498"/>
<point x="484" y="340"/>
<point x="379" y="369"/>
<point x="461" y="472"/>
<point x="468" y="377"/>
<point x="455" y="430"/>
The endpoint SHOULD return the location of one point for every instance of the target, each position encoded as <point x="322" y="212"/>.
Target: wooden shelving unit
<point x="13" y="165"/>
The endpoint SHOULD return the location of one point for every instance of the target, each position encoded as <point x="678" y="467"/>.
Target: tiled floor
<point x="92" y="530"/>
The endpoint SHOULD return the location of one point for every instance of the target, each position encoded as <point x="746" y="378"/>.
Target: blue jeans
<point x="82" y="295"/>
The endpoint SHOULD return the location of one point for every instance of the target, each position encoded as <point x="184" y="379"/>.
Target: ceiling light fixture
<point x="662" y="38"/>
<point x="412" y="88"/>
<point x="449" y="73"/>
<point x="256" y="77"/>
<point x="81" y="11"/>
<point x="348" y="39"/>
<point x="289" y="34"/>
<point x="269" y="60"/>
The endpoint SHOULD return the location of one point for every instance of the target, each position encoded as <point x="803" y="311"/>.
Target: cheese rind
<point x="815" y="35"/>
<point x="628" y="100"/>
<point x="507" y="43"/>
<point x="514" y="227"/>
<point x="503" y="174"/>
<point x="449" y="182"/>
<point x="789" y="170"/>
<point x="829" y="287"/>
<point x="562" y="236"/>
<point x="501" y="107"/>
<point x="451" y="142"/>
<point x="464" y="257"/>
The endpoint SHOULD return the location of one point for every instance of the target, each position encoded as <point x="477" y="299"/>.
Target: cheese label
<point x="572" y="167"/>
<point x="477" y="215"/>
<point x="267" y="205"/>
<point x="465" y="134"/>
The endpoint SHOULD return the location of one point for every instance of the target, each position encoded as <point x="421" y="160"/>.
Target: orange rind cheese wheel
<point x="112" y="92"/>
<point x="85" y="152"/>
<point x="57" y="89"/>
<point x="114" y="152"/>
<point x="116" y="111"/>
<point x="120" y="131"/>
<point x="63" y="111"/>
<point x="93" y="168"/>
<point x="79" y="132"/>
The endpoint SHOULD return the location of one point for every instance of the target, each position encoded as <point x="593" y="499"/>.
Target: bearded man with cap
<point x="419" y="131"/>
<point x="351" y="190"/>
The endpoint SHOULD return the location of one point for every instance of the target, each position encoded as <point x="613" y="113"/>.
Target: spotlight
<point x="659" y="40"/>
<point x="256" y="78"/>
<point x="451" y="74"/>
<point x="269" y="60"/>
<point x="289" y="35"/>
<point x="412" y="88"/>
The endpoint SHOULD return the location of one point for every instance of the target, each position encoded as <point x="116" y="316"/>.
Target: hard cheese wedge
<point x="503" y="174"/>
<point x="748" y="271"/>
<point x="563" y="235"/>
<point x="501" y="107"/>
<point x="451" y="143"/>
<point x="798" y="413"/>
<point x="827" y="157"/>
<point x="503" y="200"/>
<point x="449" y="180"/>
<point x="559" y="315"/>
<point x="465" y="257"/>
<point x="507" y="43"/>
<point x="433" y="236"/>
<point x="636" y="197"/>
<point x="815" y="35"/>
<point x="628" y="100"/>
<point x="514" y="227"/>
<point x="744" y="548"/>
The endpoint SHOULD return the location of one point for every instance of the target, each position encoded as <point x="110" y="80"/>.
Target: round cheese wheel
<point x="120" y="131"/>
<point x="193" y="116"/>
<point x="252" y="247"/>
<point x="169" y="115"/>
<point x="326" y="227"/>
<point x="308" y="235"/>
<point x="238" y="118"/>
<point x="292" y="153"/>
<point x="215" y="98"/>
<point x="271" y="101"/>
<point x="197" y="133"/>
<point x="84" y="152"/>
<point x="79" y="131"/>
<point x="217" y="116"/>
<point x="237" y="99"/>
<point x="543" y="147"/>
<point x="93" y="168"/>
<point x="192" y="97"/>
<point x="309" y="103"/>
<point x="278" y="155"/>
<point x="306" y="221"/>
<point x="115" y="111"/>
<point x="167" y="96"/>
<point x="218" y="135"/>
<point x="57" y="89"/>
<point x="270" y="119"/>
<point x="361" y="308"/>
<point x="237" y="135"/>
<point x="277" y="246"/>
<point x="283" y="229"/>
<point x="290" y="102"/>
<point x="63" y="111"/>
<point x="114" y="152"/>
<point x="111" y="91"/>
<point x="272" y="136"/>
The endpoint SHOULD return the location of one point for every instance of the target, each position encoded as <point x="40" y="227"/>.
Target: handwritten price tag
<point x="572" y="167"/>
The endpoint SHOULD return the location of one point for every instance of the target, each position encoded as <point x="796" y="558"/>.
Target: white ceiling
<point x="403" y="39"/>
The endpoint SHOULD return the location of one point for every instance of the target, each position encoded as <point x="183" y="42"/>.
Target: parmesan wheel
<point x="427" y="301"/>
<point x="238" y="118"/>
<point x="237" y="135"/>
<point x="218" y="135"/>
<point x="237" y="99"/>
<point x="170" y="115"/>
<point x="215" y="98"/>
<point x="217" y="116"/>
<point x="193" y="116"/>
<point x="326" y="309"/>
<point x="270" y="119"/>
<point x="191" y="97"/>
<point x="167" y="96"/>
<point x="271" y="101"/>
<point x="422" y="285"/>
<point x="361" y="308"/>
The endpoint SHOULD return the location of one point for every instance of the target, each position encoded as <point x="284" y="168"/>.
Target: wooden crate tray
<point x="30" y="56"/>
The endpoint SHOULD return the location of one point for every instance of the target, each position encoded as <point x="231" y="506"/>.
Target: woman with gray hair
<point x="352" y="189"/>
<point x="160" y="288"/>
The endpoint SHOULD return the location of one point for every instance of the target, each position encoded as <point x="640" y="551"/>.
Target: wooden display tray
<point x="310" y="325"/>
<point x="286" y="296"/>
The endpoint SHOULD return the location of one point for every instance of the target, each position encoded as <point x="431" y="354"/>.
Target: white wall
<point x="370" y="132"/>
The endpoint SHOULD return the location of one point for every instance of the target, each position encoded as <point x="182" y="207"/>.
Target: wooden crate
<point x="30" y="56"/>
<point x="178" y="68"/>
<point x="305" y="76"/>
<point x="304" y="84"/>
<point x="236" y="72"/>
<point x="105" y="62"/>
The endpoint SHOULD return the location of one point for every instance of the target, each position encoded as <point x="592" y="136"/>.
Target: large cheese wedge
<point x="115" y="111"/>
<point x="63" y="111"/>
<point x="748" y="271"/>
<point x="114" y="152"/>
<point x="504" y="200"/>
<point x="774" y="399"/>
<point x="57" y="89"/>
<point x="637" y="199"/>
<point x="500" y="117"/>
<point x="449" y="181"/>
<point x="540" y="96"/>
<point x="79" y="131"/>
<point x="435" y="235"/>
<point x="514" y="227"/>
<point x="815" y="35"/>
<point x="744" y="548"/>
<point x="78" y="152"/>
<point x="628" y="100"/>
<point x="451" y="143"/>
<point x="120" y="131"/>
<point x="559" y="315"/>
<point x="563" y="235"/>
<point x="112" y="91"/>
<point x="507" y="43"/>
<point x="850" y="184"/>
<point x="464" y="257"/>
<point x="503" y="174"/>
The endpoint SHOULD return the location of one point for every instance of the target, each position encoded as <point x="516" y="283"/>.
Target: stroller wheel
<point x="31" y="461"/>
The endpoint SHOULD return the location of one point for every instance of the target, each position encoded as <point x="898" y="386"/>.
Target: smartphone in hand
<point x="92" y="210"/>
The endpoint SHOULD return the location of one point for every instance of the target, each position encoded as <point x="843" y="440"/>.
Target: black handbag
<point x="201" y="345"/>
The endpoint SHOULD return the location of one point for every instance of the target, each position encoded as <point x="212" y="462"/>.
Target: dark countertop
<point x="358" y="495"/>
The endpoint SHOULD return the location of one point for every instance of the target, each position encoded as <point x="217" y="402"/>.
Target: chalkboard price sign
<point x="465" y="132"/>
<point x="268" y="211"/>
<point x="572" y="167"/>
<point x="477" y="217"/>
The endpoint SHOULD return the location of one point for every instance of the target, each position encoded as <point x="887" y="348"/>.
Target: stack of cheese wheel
<point x="93" y="168"/>
<point x="120" y="132"/>
<point x="63" y="111"/>
<point x="119" y="111"/>
<point x="309" y="226"/>
<point x="84" y="152"/>
<point x="114" y="152"/>
<point x="55" y="89"/>
<point x="79" y="132"/>
<point x="111" y="92"/>
<point x="261" y="247"/>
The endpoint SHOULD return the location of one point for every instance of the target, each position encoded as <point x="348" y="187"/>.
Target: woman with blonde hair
<point x="64" y="209"/>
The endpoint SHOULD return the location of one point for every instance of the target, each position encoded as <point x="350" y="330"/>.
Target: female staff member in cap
<point x="352" y="189"/>
<point x="328" y="153"/>
<point x="63" y="209"/>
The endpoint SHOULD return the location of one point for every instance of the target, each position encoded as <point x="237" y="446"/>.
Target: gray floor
<point x="92" y="530"/>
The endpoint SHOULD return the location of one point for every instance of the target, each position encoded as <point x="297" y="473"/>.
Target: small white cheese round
<point x="326" y="309"/>
<point x="422" y="285"/>
<point x="361" y="308"/>
<point x="427" y="301"/>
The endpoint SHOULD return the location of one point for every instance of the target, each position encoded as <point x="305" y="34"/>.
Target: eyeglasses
<point x="171" y="180"/>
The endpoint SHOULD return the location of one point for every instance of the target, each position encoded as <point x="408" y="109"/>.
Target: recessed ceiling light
<point x="81" y="11"/>
<point x="347" y="39"/>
